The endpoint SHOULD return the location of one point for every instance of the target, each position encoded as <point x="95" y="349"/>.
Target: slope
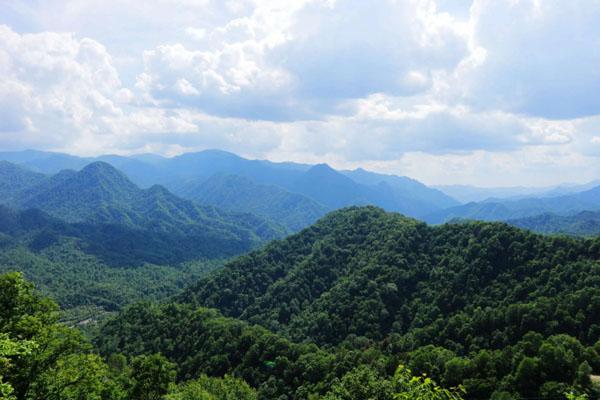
<point x="100" y="194"/>
<point x="585" y="223"/>
<point x="486" y="304"/>
<point x="239" y="194"/>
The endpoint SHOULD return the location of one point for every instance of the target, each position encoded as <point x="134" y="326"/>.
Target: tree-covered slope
<point x="365" y="272"/>
<point x="100" y="194"/>
<point x="94" y="269"/>
<point x="321" y="183"/>
<point x="241" y="194"/>
<point x="585" y="223"/>
<point x="14" y="179"/>
<point x="495" y="307"/>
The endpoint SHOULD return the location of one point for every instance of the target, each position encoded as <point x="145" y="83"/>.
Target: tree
<point x="151" y="377"/>
<point x="409" y="387"/>
<point x="206" y="388"/>
<point x="48" y="360"/>
<point x="361" y="383"/>
<point x="10" y="348"/>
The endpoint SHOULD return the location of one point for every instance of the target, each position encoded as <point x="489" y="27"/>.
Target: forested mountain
<point x="485" y="304"/>
<point x="101" y="242"/>
<point x="320" y="183"/>
<point x="100" y="194"/>
<point x="91" y="270"/>
<point x="43" y="359"/>
<point x="499" y="210"/>
<point x="240" y="194"/>
<point x="15" y="179"/>
<point x="585" y="223"/>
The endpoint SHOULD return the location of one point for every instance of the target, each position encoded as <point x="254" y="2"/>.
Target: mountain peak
<point x="322" y="168"/>
<point x="99" y="167"/>
<point x="102" y="172"/>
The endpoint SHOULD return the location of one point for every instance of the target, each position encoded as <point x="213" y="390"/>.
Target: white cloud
<point x="300" y="62"/>
<point x="538" y="58"/>
<point x="501" y="91"/>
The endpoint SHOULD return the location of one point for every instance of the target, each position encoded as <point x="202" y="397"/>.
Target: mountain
<point x="498" y="210"/>
<point x="14" y="179"/>
<point x="585" y="223"/>
<point x="485" y="304"/>
<point x="331" y="188"/>
<point x="410" y="196"/>
<point x="100" y="194"/>
<point x="92" y="270"/>
<point x="45" y="162"/>
<point x="320" y="183"/>
<point x="468" y="194"/>
<point x="240" y="194"/>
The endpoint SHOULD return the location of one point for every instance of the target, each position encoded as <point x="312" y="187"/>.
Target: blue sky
<point x="484" y="92"/>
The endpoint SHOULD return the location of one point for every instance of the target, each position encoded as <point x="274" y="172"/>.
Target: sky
<point x="482" y="92"/>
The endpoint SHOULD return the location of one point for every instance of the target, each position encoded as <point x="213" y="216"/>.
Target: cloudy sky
<point x="485" y="92"/>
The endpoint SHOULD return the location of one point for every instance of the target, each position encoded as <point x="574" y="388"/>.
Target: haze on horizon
<point x="482" y="92"/>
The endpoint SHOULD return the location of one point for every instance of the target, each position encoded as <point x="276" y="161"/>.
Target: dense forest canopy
<point x="362" y="304"/>
<point x="43" y="359"/>
<point x="503" y="311"/>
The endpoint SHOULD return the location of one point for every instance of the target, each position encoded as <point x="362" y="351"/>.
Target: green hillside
<point x="585" y="223"/>
<point x="493" y="307"/>
<point x="240" y="194"/>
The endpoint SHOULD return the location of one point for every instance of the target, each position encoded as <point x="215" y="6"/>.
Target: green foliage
<point x="10" y="348"/>
<point x="495" y="307"/>
<point x="363" y="384"/>
<point x="88" y="289"/>
<point x="41" y="358"/>
<point x="151" y="377"/>
<point x="408" y="387"/>
<point x="207" y="388"/>
<point x="202" y="341"/>
<point x="241" y="194"/>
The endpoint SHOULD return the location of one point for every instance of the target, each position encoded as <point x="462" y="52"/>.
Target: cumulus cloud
<point x="441" y="90"/>
<point x="538" y="58"/>
<point x="54" y="86"/>
<point x="301" y="62"/>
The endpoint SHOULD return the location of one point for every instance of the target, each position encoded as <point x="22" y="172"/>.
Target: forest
<point x="503" y="312"/>
<point x="111" y="291"/>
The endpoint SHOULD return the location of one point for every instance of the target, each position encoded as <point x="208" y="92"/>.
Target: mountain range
<point x="289" y="195"/>
<point x="184" y="174"/>
<point x="500" y="210"/>
<point x="99" y="194"/>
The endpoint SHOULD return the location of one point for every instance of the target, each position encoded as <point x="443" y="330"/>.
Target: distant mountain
<point x="468" y="194"/>
<point x="100" y="194"/>
<point x="585" y="223"/>
<point x="14" y="179"/>
<point x="410" y="196"/>
<point x="500" y="210"/>
<point x="45" y="162"/>
<point x="321" y="183"/>
<point x="241" y="194"/>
